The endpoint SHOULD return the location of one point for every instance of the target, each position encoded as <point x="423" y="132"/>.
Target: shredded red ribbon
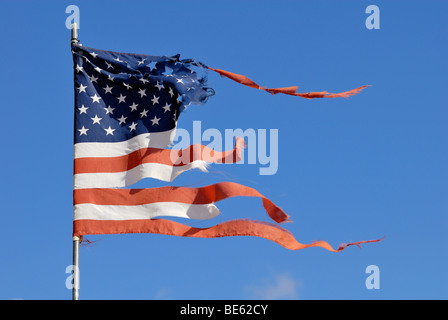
<point x="202" y="195"/>
<point x="286" y="90"/>
<point x="162" y="156"/>
<point x="231" y="228"/>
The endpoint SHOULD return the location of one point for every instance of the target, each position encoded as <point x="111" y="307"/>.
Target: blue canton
<point x="121" y="95"/>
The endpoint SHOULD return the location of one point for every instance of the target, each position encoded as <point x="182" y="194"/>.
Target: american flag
<point x="126" y="112"/>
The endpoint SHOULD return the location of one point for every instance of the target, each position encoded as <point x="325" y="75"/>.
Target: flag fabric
<point x="286" y="90"/>
<point x="126" y="111"/>
<point x="196" y="203"/>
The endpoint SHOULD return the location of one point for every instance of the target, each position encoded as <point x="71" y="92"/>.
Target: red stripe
<point x="287" y="90"/>
<point x="203" y="195"/>
<point x="225" y="229"/>
<point x="155" y="155"/>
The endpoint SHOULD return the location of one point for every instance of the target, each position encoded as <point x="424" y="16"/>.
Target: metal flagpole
<point x="76" y="240"/>
<point x="75" y="289"/>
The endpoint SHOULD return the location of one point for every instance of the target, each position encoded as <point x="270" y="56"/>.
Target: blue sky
<point x="352" y="169"/>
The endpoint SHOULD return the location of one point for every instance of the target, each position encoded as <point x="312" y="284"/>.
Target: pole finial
<point x="74" y="33"/>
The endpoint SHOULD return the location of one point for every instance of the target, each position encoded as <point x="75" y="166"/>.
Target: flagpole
<point x="75" y="289"/>
<point x="76" y="240"/>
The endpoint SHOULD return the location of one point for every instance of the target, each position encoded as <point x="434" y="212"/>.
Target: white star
<point x="180" y="81"/>
<point x="141" y="62"/>
<point x="166" y="107"/>
<point x="179" y="98"/>
<point x="109" y="110"/>
<point x="155" y="100"/>
<point x="142" y="92"/>
<point x="93" y="54"/>
<point x="109" y="66"/>
<point x="108" y="89"/>
<point x="109" y="131"/>
<point x="121" y="98"/>
<point x="92" y="78"/>
<point x="83" y="110"/>
<point x="95" y="98"/>
<point x="132" y="126"/>
<point x="171" y="92"/>
<point x="144" y="113"/>
<point x="110" y="78"/>
<point x="83" y="131"/>
<point x="98" y="69"/>
<point x="122" y="119"/>
<point x="159" y="86"/>
<point x="96" y="119"/>
<point x="82" y="88"/>
<point x="152" y="65"/>
<point x="79" y="68"/>
<point x="118" y="59"/>
<point x="127" y="86"/>
<point x="143" y="80"/>
<point x="155" y="121"/>
<point x="133" y="106"/>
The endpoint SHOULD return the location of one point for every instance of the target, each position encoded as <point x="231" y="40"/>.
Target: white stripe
<point x="147" y="211"/>
<point x="126" y="178"/>
<point x="117" y="149"/>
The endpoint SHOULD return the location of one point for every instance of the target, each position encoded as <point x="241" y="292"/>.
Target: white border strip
<point x="91" y="211"/>
<point x="126" y="178"/>
<point x="117" y="149"/>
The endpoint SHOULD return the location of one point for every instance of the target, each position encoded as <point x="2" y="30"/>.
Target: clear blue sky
<point x="349" y="169"/>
